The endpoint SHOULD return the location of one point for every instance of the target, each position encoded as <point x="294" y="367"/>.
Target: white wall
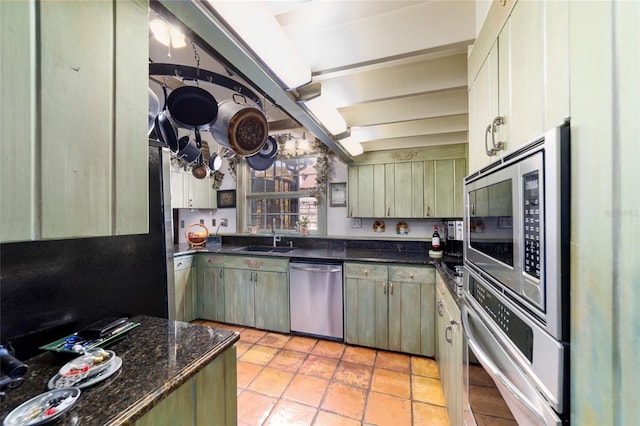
<point x="190" y="216"/>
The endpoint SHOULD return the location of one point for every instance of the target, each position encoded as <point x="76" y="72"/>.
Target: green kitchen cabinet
<point x="361" y="191"/>
<point x="257" y="292"/>
<point x="208" y="398"/>
<point x="518" y="70"/>
<point x="421" y="183"/>
<point x="390" y="307"/>
<point x="187" y="192"/>
<point x="74" y="152"/>
<point x="239" y="297"/>
<point x="443" y="187"/>
<point x="404" y="189"/>
<point x="210" y="301"/>
<point x="366" y="307"/>
<point x="185" y="277"/>
<point x="449" y="353"/>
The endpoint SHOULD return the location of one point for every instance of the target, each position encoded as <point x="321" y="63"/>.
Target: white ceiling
<point x="396" y="70"/>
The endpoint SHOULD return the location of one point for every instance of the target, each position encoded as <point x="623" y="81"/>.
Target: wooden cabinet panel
<point x="18" y="147"/>
<point x="257" y="292"/>
<point x="239" y="297"/>
<point x="379" y="182"/>
<point x="207" y="398"/>
<point x="449" y="353"/>
<point x="185" y="288"/>
<point x="525" y="74"/>
<point x="215" y="389"/>
<point x="366" y="314"/>
<point x="411" y="187"/>
<point x="272" y="301"/>
<point x="210" y="300"/>
<point x="390" y="307"/>
<point x="187" y="192"/>
<point x="80" y="164"/>
<point x="483" y="108"/>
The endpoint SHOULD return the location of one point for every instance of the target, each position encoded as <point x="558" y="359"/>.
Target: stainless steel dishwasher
<point x="316" y="298"/>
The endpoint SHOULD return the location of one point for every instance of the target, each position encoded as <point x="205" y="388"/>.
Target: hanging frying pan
<point x="215" y="162"/>
<point x="200" y="170"/>
<point x="193" y="108"/>
<point x="259" y="163"/>
<point x="164" y="128"/>
<point x="269" y="149"/>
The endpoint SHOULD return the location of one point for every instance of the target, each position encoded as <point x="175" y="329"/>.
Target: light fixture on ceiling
<point x="167" y="34"/>
<point x="262" y="33"/>
<point x="294" y="145"/>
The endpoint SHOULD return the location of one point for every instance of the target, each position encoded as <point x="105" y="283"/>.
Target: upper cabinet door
<point x="87" y="155"/>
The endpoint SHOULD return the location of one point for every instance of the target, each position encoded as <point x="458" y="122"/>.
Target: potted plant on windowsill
<point x="304" y="225"/>
<point x="253" y="227"/>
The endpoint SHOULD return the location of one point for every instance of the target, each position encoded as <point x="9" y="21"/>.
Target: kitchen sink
<point x="265" y="249"/>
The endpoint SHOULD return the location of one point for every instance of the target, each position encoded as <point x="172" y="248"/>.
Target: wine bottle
<point x="435" y="238"/>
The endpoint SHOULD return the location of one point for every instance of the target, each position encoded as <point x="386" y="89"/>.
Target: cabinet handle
<point x="428" y="210"/>
<point x="447" y="336"/>
<point x="255" y="277"/>
<point x="391" y="288"/>
<point x="440" y="305"/>
<point x="384" y="287"/>
<point x="491" y="128"/>
<point x="366" y="273"/>
<point x="388" y="211"/>
<point x="220" y="273"/>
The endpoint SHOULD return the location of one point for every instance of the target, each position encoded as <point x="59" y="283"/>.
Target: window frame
<point x="243" y="211"/>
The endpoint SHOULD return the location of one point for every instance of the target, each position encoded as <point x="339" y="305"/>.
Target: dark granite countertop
<point x="343" y="254"/>
<point x="157" y="357"/>
<point x="451" y="281"/>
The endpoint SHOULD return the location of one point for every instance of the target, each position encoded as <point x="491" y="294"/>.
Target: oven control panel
<point x="516" y="330"/>
<point x="531" y="208"/>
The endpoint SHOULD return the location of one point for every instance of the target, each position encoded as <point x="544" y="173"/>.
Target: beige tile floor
<point x="293" y="380"/>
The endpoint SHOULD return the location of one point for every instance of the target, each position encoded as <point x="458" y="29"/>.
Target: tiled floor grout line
<point x="340" y="361"/>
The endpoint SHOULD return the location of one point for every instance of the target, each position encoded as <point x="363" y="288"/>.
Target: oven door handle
<point x="486" y="361"/>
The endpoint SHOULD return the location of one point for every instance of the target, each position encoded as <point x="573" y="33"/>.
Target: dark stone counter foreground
<point x="157" y="357"/>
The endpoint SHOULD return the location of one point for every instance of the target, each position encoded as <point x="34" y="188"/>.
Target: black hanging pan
<point x="164" y="128"/>
<point x="193" y="108"/>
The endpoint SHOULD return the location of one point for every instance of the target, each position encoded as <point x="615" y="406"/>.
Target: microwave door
<point x="491" y="233"/>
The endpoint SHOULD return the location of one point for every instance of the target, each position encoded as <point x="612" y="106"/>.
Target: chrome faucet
<point x="276" y="237"/>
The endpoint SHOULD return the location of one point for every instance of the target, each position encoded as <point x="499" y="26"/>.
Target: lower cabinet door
<point x="404" y="317"/>
<point x="366" y="313"/>
<point x="239" y="297"/>
<point x="272" y="301"/>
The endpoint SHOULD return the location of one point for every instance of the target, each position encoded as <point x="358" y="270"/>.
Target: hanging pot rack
<point x="193" y="73"/>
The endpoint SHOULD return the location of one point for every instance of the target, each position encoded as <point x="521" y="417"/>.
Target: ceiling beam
<point x="203" y="22"/>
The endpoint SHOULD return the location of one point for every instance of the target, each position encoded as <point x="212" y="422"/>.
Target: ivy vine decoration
<point x="232" y="160"/>
<point x="323" y="169"/>
<point x="217" y="179"/>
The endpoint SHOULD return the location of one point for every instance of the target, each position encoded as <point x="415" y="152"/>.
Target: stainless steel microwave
<point x="516" y="221"/>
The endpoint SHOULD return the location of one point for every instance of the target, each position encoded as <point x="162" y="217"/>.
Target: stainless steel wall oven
<point x="516" y="287"/>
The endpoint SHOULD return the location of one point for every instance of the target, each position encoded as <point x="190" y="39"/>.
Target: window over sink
<point x="284" y="192"/>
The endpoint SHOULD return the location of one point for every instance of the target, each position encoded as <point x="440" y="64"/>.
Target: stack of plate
<point x="93" y="367"/>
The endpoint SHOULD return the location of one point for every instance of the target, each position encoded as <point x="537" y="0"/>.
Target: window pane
<point x="284" y="193"/>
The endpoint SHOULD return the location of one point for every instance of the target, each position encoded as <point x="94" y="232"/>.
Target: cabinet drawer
<point x="182" y="262"/>
<point x="210" y="260"/>
<point x="256" y="263"/>
<point x="412" y="274"/>
<point x="365" y="271"/>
